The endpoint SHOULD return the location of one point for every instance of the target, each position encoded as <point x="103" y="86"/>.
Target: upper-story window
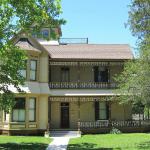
<point x="33" y="70"/>
<point x="100" y="74"/>
<point x="45" y="33"/>
<point x="65" y="74"/>
<point x="23" y="71"/>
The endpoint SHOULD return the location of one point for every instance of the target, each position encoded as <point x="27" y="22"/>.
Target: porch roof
<point x="82" y="92"/>
<point x="90" y="51"/>
<point x="32" y="88"/>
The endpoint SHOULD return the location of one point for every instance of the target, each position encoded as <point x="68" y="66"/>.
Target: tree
<point x="134" y="81"/>
<point x="15" y="16"/>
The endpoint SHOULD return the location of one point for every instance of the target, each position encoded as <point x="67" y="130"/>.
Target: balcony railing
<point x="73" y="40"/>
<point x="82" y="85"/>
<point x="106" y="123"/>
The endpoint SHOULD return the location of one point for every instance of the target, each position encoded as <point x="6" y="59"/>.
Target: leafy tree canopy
<point x="134" y="82"/>
<point x="15" y="16"/>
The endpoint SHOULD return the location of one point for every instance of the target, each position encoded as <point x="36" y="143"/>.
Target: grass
<point x="136" y="141"/>
<point x="23" y="143"/>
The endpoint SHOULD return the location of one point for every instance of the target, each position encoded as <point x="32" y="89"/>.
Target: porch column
<point x="109" y="104"/>
<point x="49" y="114"/>
<point x="109" y="84"/>
<point x="78" y="72"/>
<point x="78" y="114"/>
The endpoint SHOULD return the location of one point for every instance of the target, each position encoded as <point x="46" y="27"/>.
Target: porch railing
<point x="82" y="85"/>
<point x="101" y="124"/>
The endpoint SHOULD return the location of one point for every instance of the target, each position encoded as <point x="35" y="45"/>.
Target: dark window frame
<point x="97" y="110"/>
<point x="97" y="73"/>
<point x="17" y="107"/>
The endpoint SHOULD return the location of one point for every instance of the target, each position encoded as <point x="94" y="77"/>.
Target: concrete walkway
<point x="59" y="143"/>
<point x="61" y="139"/>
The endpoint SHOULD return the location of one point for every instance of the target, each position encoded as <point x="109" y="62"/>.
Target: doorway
<point x="64" y="115"/>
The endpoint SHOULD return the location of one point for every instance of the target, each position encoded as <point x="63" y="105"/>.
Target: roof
<point x="90" y="51"/>
<point x="25" y="44"/>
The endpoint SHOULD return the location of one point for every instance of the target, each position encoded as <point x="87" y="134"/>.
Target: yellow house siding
<point x="120" y="112"/>
<point x="55" y="115"/>
<point x="87" y="112"/>
<point x="86" y="74"/>
<point x="55" y="73"/>
<point x="44" y="67"/>
<point x="73" y="114"/>
<point x="43" y="112"/>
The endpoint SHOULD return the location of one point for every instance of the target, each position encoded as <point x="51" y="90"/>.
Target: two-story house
<point x="68" y="86"/>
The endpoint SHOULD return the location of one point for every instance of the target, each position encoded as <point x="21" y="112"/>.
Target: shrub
<point x="115" y="131"/>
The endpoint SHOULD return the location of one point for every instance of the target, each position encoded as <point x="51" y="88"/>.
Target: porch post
<point x="79" y="114"/>
<point x="109" y="111"/>
<point x="49" y="113"/>
<point x="78" y="71"/>
<point x="109" y="84"/>
<point x="109" y="107"/>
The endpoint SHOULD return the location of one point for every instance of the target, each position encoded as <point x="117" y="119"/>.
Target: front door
<point x="65" y="115"/>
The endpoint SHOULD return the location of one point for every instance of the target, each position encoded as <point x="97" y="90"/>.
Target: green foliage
<point x="137" y="107"/>
<point x="134" y="82"/>
<point x="15" y="16"/>
<point x="115" y="131"/>
<point x="139" y="18"/>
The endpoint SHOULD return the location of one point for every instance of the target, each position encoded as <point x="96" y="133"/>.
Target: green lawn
<point x="23" y="143"/>
<point x="136" y="141"/>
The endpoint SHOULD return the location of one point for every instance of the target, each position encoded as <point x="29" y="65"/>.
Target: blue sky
<point x="102" y="21"/>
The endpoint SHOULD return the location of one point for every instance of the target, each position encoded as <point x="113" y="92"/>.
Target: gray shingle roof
<point x="90" y="51"/>
<point x="26" y="45"/>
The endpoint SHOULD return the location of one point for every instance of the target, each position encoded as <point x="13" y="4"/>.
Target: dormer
<point x="47" y="33"/>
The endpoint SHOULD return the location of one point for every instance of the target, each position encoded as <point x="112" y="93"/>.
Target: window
<point x="23" y="72"/>
<point x="100" y="74"/>
<point x="6" y="117"/>
<point x="32" y="109"/>
<point x="101" y="110"/>
<point x="65" y="74"/>
<point x="33" y="70"/>
<point x="18" y="114"/>
<point x="45" y="33"/>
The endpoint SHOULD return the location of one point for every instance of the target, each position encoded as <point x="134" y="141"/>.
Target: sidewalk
<point x="61" y="139"/>
<point x="59" y="143"/>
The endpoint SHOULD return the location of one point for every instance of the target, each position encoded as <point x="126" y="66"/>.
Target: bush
<point x="115" y="131"/>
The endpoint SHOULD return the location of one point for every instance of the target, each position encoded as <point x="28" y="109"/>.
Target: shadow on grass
<point x="144" y="145"/>
<point x="23" y="146"/>
<point x="87" y="146"/>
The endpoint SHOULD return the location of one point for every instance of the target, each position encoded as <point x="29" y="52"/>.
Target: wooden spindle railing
<point x="120" y="123"/>
<point x="81" y="85"/>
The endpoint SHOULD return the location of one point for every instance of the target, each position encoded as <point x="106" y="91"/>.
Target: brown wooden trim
<point x="23" y="132"/>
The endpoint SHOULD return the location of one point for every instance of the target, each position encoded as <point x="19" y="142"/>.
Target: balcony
<point x="82" y="85"/>
<point x="83" y="75"/>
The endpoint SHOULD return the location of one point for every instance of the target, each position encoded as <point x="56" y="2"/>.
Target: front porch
<point x="82" y="113"/>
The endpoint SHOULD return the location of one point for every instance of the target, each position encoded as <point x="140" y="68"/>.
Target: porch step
<point x="65" y="134"/>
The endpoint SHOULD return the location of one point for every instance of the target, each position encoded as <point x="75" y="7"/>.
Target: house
<point x="68" y="87"/>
